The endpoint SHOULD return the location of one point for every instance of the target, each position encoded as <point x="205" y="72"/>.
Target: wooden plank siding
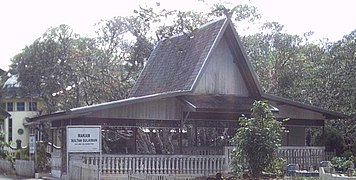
<point x="221" y="75"/>
<point x="162" y="109"/>
<point x="291" y="112"/>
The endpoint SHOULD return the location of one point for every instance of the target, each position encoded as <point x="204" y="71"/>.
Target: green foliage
<point x="342" y="163"/>
<point x="257" y="139"/>
<point x="277" y="166"/>
<point x="332" y="140"/>
<point x="3" y="152"/>
<point x="22" y="154"/>
<point x="320" y="74"/>
<point x="42" y="159"/>
<point x="277" y="58"/>
<point x="68" y="71"/>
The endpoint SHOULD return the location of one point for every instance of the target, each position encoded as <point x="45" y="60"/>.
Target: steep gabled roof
<point x="176" y="63"/>
<point x="174" y="68"/>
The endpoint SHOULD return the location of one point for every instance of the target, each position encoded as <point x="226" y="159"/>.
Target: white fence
<point x="79" y="171"/>
<point x="25" y="168"/>
<point x="197" y="165"/>
<point x="304" y="156"/>
<point x="202" y="151"/>
<point x="56" y="164"/>
<point x="6" y="165"/>
<point x="21" y="167"/>
<point x="158" y="164"/>
<point x="159" y="177"/>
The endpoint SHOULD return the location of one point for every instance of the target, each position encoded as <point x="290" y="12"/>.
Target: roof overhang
<point x="220" y="103"/>
<point x="326" y="113"/>
<point x="87" y="110"/>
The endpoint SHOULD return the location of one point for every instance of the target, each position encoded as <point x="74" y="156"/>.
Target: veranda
<point x="190" y="157"/>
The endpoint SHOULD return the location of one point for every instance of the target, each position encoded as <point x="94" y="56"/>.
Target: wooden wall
<point x="162" y="109"/>
<point x="221" y="75"/>
<point x="286" y="111"/>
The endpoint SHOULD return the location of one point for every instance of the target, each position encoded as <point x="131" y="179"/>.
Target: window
<point x="10" y="129"/>
<point x="10" y="106"/>
<point x="20" y="106"/>
<point x="32" y="106"/>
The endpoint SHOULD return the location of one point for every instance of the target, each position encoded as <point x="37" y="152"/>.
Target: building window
<point x="32" y="106"/>
<point x="20" y="106"/>
<point x="10" y="129"/>
<point x="9" y="106"/>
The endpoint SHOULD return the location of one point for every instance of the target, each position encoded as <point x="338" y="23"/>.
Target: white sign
<point x="83" y="138"/>
<point x="32" y="144"/>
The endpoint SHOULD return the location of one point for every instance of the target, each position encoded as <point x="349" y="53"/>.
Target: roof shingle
<point x="175" y="63"/>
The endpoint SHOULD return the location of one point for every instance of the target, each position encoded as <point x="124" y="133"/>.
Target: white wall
<point x="18" y="119"/>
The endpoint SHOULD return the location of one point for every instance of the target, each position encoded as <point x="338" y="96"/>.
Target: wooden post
<point x="135" y="138"/>
<point x="180" y="143"/>
<point x="64" y="148"/>
<point x="55" y="136"/>
<point x="196" y="134"/>
<point x="52" y="133"/>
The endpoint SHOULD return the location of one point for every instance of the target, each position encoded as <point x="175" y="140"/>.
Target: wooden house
<point x="191" y="82"/>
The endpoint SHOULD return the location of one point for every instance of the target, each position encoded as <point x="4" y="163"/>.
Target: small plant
<point x="342" y="163"/>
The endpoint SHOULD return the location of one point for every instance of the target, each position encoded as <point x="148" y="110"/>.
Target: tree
<point x="44" y="68"/>
<point x="69" y="71"/>
<point x="333" y="87"/>
<point x="277" y="59"/>
<point x="257" y="139"/>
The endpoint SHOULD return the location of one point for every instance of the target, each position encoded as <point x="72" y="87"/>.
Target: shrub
<point x="257" y="140"/>
<point x="22" y="154"/>
<point x="42" y="159"/>
<point x="342" y="163"/>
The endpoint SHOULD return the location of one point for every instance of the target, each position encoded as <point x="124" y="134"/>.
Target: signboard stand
<point x="32" y="146"/>
<point x="84" y="139"/>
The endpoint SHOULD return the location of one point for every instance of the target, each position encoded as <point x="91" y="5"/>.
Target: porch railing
<point x="157" y="164"/>
<point x="203" y="150"/>
<point x="198" y="165"/>
<point x="159" y="177"/>
<point x="304" y="156"/>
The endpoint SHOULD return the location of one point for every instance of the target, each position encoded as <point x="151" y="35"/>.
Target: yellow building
<point x="20" y="106"/>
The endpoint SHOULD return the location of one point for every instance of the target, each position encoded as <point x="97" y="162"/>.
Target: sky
<point x="23" y="21"/>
